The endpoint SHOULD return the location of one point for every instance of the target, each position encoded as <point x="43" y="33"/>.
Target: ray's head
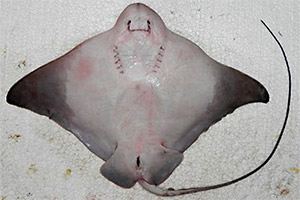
<point x="140" y="18"/>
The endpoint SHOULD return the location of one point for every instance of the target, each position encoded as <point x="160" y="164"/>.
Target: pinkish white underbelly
<point x="137" y="58"/>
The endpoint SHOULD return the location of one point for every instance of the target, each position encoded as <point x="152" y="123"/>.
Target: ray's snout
<point x="139" y="24"/>
<point x="139" y="18"/>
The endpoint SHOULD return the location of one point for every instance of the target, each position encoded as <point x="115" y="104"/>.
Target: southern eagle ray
<point x="137" y="96"/>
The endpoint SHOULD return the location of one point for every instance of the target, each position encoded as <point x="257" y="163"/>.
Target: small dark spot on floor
<point x="91" y="197"/>
<point x="172" y="12"/>
<point x="29" y="194"/>
<point x="32" y="169"/>
<point x="67" y="173"/>
<point x="22" y="64"/>
<point x="280" y="34"/>
<point x="14" y="137"/>
<point x="4" y="53"/>
<point x="284" y="192"/>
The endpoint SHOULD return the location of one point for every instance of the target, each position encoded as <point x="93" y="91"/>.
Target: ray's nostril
<point x="128" y="23"/>
<point x="148" y="22"/>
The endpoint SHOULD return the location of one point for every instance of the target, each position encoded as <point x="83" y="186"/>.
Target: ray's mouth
<point x="133" y="29"/>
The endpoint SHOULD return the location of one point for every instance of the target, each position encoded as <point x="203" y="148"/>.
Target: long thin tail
<point x="172" y="192"/>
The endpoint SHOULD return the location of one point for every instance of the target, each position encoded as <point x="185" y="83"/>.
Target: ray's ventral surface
<point x="137" y="96"/>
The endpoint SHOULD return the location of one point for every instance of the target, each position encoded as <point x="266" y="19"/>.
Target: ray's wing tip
<point x="265" y="97"/>
<point x="15" y="95"/>
<point x="10" y="96"/>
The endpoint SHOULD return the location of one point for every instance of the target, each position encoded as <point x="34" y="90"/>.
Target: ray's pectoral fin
<point x="43" y="92"/>
<point x="159" y="163"/>
<point x="237" y="88"/>
<point x="120" y="168"/>
<point x="154" y="166"/>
